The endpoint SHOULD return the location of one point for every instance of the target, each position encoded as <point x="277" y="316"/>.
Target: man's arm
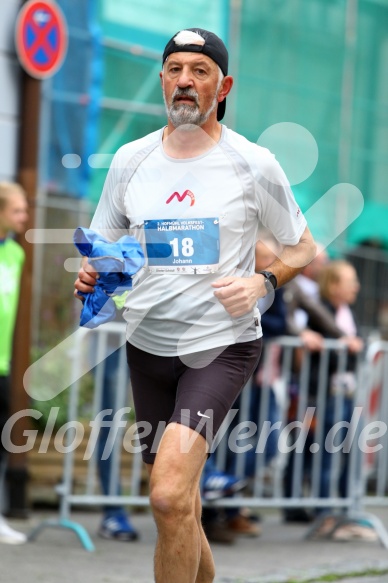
<point x="239" y="295"/>
<point x="294" y="258"/>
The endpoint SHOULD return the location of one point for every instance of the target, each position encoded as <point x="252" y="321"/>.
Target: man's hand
<point x="239" y="295"/>
<point x="86" y="280"/>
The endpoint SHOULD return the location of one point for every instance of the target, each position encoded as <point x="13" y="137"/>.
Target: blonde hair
<point x="331" y="273"/>
<point x="7" y="190"/>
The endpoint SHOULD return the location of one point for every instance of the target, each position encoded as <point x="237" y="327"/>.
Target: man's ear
<point x="226" y="86"/>
<point x="161" y="78"/>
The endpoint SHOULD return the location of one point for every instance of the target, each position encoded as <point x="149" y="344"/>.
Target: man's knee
<point x="169" y="500"/>
<point x="175" y="476"/>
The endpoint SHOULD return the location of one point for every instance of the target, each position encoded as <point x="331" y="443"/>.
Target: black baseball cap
<point x="213" y="47"/>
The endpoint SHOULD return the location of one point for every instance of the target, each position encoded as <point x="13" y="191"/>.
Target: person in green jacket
<point x="13" y="217"/>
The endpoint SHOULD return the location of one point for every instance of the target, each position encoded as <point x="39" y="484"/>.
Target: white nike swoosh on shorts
<point x="202" y="414"/>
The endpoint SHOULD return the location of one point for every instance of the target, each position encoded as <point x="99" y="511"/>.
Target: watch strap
<point x="271" y="277"/>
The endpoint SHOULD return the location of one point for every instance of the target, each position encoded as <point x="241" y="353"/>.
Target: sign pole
<point x="41" y="44"/>
<point x="28" y="178"/>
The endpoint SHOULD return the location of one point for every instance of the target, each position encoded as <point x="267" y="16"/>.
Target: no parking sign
<point x="41" y="38"/>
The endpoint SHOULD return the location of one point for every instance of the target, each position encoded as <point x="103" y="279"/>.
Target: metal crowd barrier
<point x="350" y="464"/>
<point x="278" y="476"/>
<point x="375" y="467"/>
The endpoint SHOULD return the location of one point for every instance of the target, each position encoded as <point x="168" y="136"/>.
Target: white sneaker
<point x="10" y="536"/>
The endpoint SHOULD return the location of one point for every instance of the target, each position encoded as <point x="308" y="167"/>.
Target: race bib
<point x="184" y="246"/>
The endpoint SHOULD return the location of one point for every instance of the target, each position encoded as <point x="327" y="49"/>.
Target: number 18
<point x="187" y="247"/>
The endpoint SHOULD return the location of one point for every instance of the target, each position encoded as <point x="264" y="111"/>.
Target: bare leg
<point x="182" y="554"/>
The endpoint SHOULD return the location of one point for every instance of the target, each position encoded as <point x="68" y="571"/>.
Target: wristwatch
<point x="270" y="280"/>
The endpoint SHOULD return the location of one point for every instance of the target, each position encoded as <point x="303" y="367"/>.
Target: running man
<point x="194" y="194"/>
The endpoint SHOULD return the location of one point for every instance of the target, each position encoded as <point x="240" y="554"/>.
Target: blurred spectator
<point x="339" y="286"/>
<point x="370" y="259"/>
<point x="224" y="525"/>
<point x="304" y="305"/>
<point x="215" y="485"/>
<point x="115" y="523"/>
<point x="13" y="217"/>
<point x="238" y="521"/>
<point x="310" y="319"/>
<point x="273" y="322"/>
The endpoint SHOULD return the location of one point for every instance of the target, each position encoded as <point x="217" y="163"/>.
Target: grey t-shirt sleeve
<point x="110" y="218"/>
<point x="278" y="209"/>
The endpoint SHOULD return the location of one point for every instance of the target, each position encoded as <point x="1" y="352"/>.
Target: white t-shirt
<point x="198" y="221"/>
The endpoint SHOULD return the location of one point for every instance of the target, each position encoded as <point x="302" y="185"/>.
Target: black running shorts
<point x="195" y="390"/>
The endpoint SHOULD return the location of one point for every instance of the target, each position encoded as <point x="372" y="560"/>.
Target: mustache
<point x="185" y="92"/>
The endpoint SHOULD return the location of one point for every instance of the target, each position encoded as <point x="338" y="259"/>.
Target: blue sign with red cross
<point x="41" y="38"/>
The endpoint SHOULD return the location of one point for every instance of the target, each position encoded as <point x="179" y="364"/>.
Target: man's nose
<point x="185" y="79"/>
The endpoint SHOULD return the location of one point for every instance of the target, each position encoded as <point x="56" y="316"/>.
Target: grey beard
<point x="183" y="114"/>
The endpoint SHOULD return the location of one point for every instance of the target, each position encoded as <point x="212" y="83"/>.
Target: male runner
<point x="194" y="194"/>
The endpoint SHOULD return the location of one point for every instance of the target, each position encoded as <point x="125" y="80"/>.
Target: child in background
<point x="13" y="217"/>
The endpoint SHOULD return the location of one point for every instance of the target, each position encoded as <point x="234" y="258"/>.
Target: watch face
<point x="273" y="281"/>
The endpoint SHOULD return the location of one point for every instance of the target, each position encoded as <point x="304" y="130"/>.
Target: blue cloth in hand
<point x="116" y="263"/>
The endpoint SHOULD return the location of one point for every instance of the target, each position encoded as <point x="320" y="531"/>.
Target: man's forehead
<point x="194" y="58"/>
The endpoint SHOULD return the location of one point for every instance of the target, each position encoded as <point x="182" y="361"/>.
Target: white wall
<point x="9" y="93"/>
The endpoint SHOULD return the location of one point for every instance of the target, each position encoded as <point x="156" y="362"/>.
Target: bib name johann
<point x="183" y="261"/>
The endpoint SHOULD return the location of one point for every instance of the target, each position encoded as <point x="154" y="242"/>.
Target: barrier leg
<point x="79" y="530"/>
<point x="375" y="523"/>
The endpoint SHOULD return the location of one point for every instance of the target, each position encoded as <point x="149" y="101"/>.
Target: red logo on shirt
<point x="181" y="197"/>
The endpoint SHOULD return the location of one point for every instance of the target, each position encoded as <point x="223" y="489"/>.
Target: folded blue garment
<point x="116" y="264"/>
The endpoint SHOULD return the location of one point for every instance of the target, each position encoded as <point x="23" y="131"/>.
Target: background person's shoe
<point x="218" y="485"/>
<point x="10" y="536"/>
<point x="354" y="531"/>
<point x="217" y="531"/>
<point x="117" y="528"/>
<point x="325" y="528"/>
<point x="243" y="525"/>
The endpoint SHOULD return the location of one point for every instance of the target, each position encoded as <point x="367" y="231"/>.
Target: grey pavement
<point x="280" y="555"/>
